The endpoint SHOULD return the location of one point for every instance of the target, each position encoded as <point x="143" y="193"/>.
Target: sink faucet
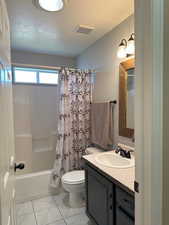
<point x="123" y="153"/>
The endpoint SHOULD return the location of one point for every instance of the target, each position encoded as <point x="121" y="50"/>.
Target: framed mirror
<point x="126" y="98"/>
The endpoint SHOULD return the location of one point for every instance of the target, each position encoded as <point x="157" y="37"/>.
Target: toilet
<point x="74" y="183"/>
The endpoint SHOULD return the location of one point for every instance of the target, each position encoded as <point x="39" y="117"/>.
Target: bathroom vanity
<point x="109" y="193"/>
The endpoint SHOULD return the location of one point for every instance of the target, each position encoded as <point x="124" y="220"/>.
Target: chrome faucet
<point x="123" y="153"/>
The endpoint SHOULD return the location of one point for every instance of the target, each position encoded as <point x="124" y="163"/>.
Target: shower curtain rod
<point x="48" y="67"/>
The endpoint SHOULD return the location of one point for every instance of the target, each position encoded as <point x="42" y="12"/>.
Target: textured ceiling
<point x="33" y="29"/>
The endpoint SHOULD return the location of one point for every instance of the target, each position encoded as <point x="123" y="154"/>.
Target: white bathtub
<point x="32" y="186"/>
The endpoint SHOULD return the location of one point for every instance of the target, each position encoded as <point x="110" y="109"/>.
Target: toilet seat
<point x="74" y="177"/>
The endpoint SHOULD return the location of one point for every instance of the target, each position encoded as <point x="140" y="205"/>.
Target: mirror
<point x="126" y="98"/>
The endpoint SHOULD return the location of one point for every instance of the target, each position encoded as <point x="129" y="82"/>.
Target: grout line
<point x="56" y="221"/>
<point x="62" y="218"/>
<point x="60" y="212"/>
<point x="65" y="221"/>
<point x="62" y="215"/>
<point x="57" y="205"/>
<point x="34" y="213"/>
<point x="66" y="217"/>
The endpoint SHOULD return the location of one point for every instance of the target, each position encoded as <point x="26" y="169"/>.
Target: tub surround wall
<point x="35" y="134"/>
<point x="102" y="57"/>
<point x="35" y="119"/>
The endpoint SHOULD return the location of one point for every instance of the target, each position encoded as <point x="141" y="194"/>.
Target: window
<point x="35" y="76"/>
<point x="24" y="76"/>
<point x="44" y="78"/>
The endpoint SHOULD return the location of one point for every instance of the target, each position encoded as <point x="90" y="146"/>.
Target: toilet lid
<point x="74" y="177"/>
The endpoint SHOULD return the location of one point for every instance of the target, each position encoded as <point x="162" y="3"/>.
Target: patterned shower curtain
<point x="73" y="122"/>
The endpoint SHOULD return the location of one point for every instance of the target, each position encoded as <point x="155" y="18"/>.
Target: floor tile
<point x="44" y="203"/>
<point x="61" y="198"/>
<point x="80" y="219"/>
<point x="48" y="216"/>
<point x="66" y="211"/>
<point x="27" y="219"/>
<point x="60" y="222"/>
<point x="24" y="208"/>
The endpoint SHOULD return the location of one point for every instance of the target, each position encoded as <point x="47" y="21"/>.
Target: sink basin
<point x="111" y="159"/>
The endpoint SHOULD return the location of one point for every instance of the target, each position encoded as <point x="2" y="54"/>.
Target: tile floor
<point x="52" y="210"/>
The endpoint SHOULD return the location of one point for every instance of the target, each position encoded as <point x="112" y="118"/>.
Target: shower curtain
<point x="73" y="122"/>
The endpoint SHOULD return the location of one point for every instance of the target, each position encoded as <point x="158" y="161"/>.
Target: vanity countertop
<point x="125" y="177"/>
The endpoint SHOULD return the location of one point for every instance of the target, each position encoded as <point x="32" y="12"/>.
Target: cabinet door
<point x="122" y="218"/>
<point x="99" y="197"/>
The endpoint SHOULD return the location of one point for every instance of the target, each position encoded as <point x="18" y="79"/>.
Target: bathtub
<point x="33" y="186"/>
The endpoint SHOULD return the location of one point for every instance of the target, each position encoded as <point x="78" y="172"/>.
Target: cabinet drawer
<point x="123" y="218"/>
<point x="125" y="201"/>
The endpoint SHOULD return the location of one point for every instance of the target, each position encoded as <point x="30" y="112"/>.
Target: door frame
<point x="7" y="156"/>
<point x="152" y="110"/>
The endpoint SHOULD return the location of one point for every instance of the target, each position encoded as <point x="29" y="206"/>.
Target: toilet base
<point x="74" y="183"/>
<point x="76" y="200"/>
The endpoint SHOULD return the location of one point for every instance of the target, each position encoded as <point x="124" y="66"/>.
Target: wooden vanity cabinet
<point x="106" y="203"/>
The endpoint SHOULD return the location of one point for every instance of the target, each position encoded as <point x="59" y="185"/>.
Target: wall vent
<point x="82" y="29"/>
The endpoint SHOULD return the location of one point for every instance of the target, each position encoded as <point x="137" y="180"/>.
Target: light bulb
<point x="121" y="52"/>
<point x="51" y="5"/>
<point x="122" y="49"/>
<point x="131" y="46"/>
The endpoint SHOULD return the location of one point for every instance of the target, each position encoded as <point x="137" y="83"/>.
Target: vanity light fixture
<point x="122" y="49"/>
<point x="51" y="5"/>
<point x="131" y="45"/>
<point x="127" y="49"/>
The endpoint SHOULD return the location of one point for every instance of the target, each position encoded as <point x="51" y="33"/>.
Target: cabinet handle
<point x="128" y="202"/>
<point x="111" y="207"/>
<point x="111" y="196"/>
<point x="125" y="212"/>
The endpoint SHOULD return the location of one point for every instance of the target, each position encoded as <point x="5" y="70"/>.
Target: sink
<point x="111" y="159"/>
